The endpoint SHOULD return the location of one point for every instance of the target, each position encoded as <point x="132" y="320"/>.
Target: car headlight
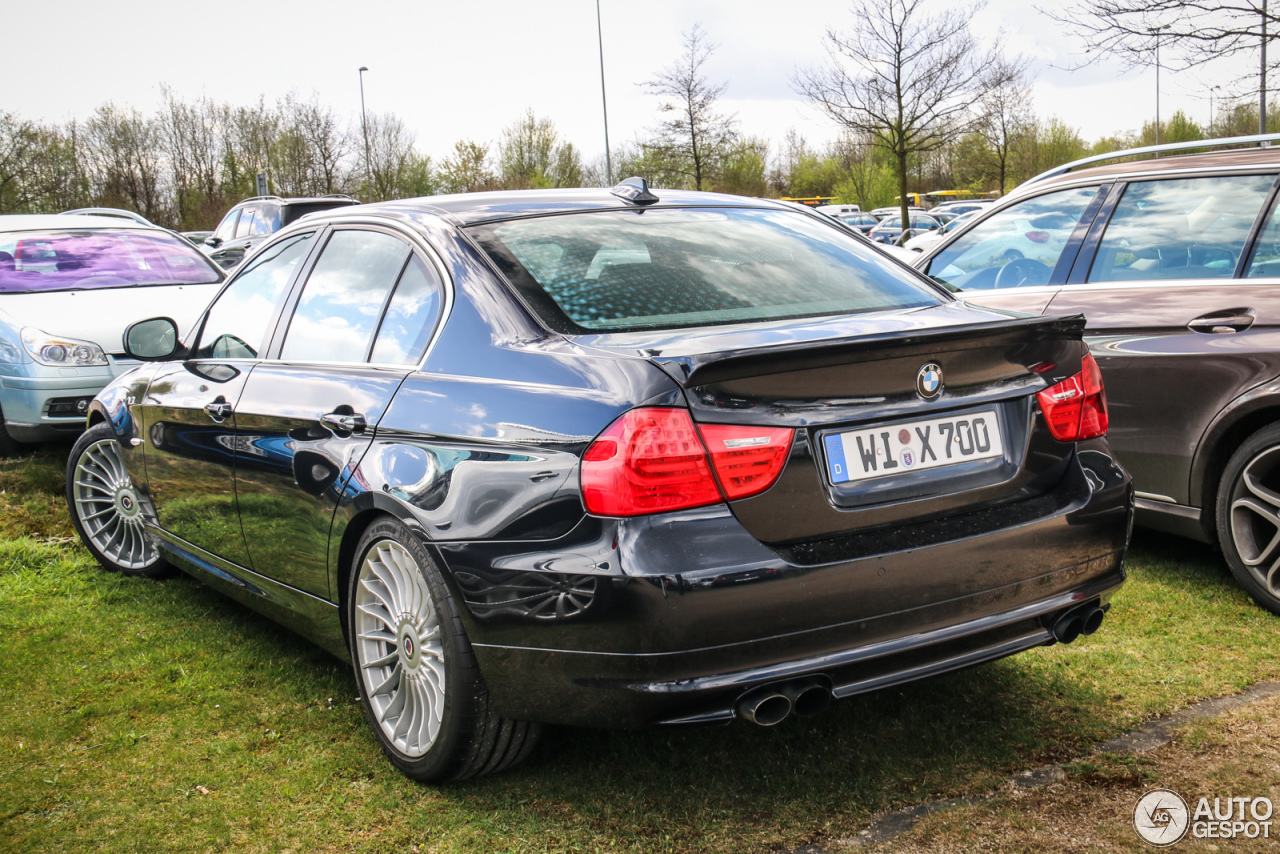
<point x="61" y="352"/>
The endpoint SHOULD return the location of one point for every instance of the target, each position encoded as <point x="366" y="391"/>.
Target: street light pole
<point x="364" y="128"/>
<point x="608" y="160"/>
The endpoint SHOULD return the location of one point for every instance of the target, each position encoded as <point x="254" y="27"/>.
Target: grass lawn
<point x="158" y="716"/>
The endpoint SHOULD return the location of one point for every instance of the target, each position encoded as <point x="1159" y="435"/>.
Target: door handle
<point x="1225" y="321"/>
<point x="341" y="422"/>
<point x="219" y="410"/>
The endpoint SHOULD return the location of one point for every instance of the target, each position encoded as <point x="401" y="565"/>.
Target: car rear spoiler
<point x="696" y="369"/>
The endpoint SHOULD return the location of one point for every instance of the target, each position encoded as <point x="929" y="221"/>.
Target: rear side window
<point x="245" y="228"/>
<point x="1019" y="246"/>
<point x="1192" y="228"/>
<point x="344" y="296"/>
<point x="665" y="268"/>
<point x="410" y="318"/>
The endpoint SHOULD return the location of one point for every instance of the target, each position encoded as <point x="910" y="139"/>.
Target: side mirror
<point x="153" y="340"/>
<point x="213" y="242"/>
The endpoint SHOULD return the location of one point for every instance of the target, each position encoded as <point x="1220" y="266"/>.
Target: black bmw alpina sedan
<point x="609" y="458"/>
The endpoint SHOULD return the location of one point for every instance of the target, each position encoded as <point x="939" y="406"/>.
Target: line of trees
<point x="920" y="106"/>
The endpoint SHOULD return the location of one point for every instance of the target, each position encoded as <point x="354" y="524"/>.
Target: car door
<point x="188" y="413"/>
<point x="1018" y="257"/>
<point x="355" y="329"/>
<point x="1180" y="318"/>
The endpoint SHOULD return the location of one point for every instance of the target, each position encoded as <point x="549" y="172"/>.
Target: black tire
<point x="410" y="652"/>
<point x="1249" y="516"/>
<point x="107" y="510"/>
<point x="9" y="446"/>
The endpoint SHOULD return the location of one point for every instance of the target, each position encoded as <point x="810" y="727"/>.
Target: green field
<point x="158" y="716"/>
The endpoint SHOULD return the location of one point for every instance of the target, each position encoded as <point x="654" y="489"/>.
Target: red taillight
<point x="1076" y="408"/>
<point x="1038" y="236"/>
<point x="653" y="460"/>
<point x="747" y="459"/>
<point x="648" y="461"/>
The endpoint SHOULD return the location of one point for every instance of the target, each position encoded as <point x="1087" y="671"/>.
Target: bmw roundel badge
<point x="929" y="381"/>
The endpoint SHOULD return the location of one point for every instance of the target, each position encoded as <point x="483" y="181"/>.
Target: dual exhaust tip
<point x="1080" y="620"/>
<point x="773" y="704"/>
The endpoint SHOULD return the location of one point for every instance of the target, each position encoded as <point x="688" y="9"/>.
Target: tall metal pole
<point x="608" y="160"/>
<point x="1157" y="91"/>
<point x="1262" y="86"/>
<point x="364" y="128"/>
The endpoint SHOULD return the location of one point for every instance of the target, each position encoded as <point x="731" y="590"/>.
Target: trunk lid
<point x="869" y="449"/>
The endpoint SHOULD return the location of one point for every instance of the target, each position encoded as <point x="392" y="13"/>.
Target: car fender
<point x="1249" y="412"/>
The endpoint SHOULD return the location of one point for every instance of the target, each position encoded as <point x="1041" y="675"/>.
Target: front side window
<point x="669" y="268"/>
<point x="344" y="296"/>
<point x="1019" y="246"/>
<point x="236" y="325"/>
<point x="227" y="228"/>
<point x="1190" y="228"/>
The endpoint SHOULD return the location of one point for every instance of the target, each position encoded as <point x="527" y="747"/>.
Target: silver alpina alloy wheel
<point x="419" y="683"/>
<point x="107" y="508"/>
<point x="1249" y="516"/>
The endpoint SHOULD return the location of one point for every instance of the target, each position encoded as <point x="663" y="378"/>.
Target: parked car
<point x="961" y="207"/>
<point x="863" y="222"/>
<point x="606" y="458"/>
<point x="69" y="285"/>
<point x="921" y="242"/>
<point x="838" y="210"/>
<point x="894" y="209"/>
<point x="197" y="237"/>
<point x="1176" y="263"/>
<point x="251" y="221"/>
<point x="889" y="229"/>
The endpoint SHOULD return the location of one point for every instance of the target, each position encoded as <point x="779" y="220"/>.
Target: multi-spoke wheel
<point x="108" y="511"/>
<point x="1249" y="516"/>
<point x="419" y="683"/>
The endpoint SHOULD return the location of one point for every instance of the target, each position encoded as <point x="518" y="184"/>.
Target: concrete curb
<point x="1153" y="734"/>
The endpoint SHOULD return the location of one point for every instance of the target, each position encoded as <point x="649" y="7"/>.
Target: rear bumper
<point x="685" y="613"/>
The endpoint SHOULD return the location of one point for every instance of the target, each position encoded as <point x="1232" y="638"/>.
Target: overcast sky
<point x="456" y="70"/>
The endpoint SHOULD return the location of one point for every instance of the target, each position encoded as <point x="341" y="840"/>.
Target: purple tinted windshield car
<point x="85" y="259"/>
<point x="69" y="285"/>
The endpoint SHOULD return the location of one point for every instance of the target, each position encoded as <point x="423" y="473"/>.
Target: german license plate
<point x="912" y="446"/>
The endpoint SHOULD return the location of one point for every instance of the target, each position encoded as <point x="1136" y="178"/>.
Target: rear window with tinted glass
<point x="668" y="268"/>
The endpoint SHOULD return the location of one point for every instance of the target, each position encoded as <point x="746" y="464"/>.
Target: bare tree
<point x="467" y="169"/>
<point x="904" y="78"/>
<point x="1005" y="116"/>
<point x="697" y="134"/>
<point x="1192" y="32"/>
<point x="531" y="154"/>
<point x="399" y="172"/>
<point x="189" y="136"/>
<point x="126" y="154"/>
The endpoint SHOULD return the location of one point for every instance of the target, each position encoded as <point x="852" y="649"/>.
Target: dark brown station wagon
<point x="1175" y="261"/>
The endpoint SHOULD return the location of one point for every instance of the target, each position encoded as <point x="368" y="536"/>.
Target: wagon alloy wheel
<point x="399" y="648"/>
<point x="107" y="508"/>
<point x="1249" y="516"/>
<point x="420" y="685"/>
